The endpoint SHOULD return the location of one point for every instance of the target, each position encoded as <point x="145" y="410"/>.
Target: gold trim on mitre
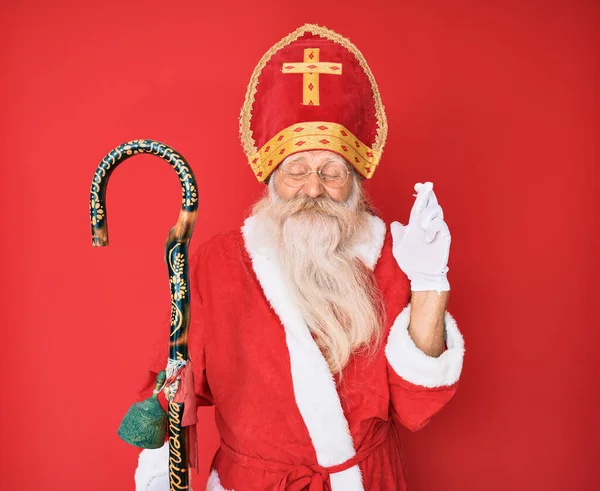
<point x="261" y="167"/>
<point x="316" y="135"/>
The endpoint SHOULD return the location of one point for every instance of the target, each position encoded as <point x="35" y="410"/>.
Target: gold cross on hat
<point x="310" y="70"/>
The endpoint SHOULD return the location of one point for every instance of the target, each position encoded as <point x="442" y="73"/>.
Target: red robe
<point x="284" y="422"/>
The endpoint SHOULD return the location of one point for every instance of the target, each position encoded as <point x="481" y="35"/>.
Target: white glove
<point x="421" y="248"/>
<point x="152" y="473"/>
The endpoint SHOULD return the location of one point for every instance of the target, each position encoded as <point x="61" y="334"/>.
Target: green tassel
<point x="145" y="424"/>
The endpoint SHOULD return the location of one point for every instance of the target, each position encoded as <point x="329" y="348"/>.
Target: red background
<point x="495" y="102"/>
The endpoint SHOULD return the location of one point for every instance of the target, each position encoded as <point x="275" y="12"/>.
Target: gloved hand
<point x="421" y="248"/>
<point x="152" y="473"/>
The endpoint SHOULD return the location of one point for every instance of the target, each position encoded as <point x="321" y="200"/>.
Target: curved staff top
<point x="135" y="428"/>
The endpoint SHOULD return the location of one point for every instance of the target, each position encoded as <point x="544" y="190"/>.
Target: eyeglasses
<point x="333" y="173"/>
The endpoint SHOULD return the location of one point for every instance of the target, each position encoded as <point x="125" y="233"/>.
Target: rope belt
<point x="300" y="477"/>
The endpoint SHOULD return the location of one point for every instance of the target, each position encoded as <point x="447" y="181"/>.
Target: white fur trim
<point x="369" y="249"/>
<point x="152" y="473"/>
<point x="214" y="483"/>
<point x="314" y="385"/>
<point x="413" y="365"/>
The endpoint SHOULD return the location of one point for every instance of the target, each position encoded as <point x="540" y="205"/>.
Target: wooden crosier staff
<point x="144" y="424"/>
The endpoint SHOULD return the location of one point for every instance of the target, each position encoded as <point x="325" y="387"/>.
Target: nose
<point x="313" y="186"/>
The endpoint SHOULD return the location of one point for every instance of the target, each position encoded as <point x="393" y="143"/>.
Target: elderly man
<point x="313" y="328"/>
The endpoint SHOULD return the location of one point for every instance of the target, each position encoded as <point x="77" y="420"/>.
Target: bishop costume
<point x="286" y="422"/>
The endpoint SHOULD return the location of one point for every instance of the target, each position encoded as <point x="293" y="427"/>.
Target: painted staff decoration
<point x="145" y="423"/>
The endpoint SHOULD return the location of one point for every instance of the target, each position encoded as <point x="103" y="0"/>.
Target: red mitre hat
<point x="313" y="90"/>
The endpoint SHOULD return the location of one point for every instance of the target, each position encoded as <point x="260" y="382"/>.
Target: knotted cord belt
<point x="300" y="477"/>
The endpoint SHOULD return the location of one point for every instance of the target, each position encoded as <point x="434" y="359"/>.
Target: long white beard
<point x="331" y="286"/>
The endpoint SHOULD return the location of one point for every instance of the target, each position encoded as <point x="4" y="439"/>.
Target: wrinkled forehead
<point x="315" y="157"/>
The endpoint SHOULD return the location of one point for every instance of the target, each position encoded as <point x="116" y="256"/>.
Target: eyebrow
<point x="302" y="159"/>
<point x="292" y="158"/>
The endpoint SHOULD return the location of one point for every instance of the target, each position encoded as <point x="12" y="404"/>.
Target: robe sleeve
<point x="196" y="340"/>
<point x="420" y="385"/>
